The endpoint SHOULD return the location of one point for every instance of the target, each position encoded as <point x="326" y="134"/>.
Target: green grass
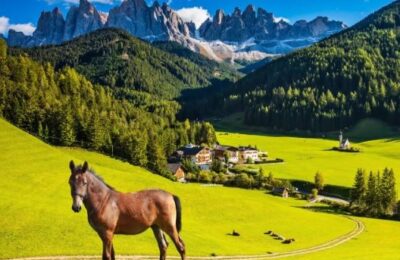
<point x="380" y="240"/>
<point x="305" y="156"/>
<point x="37" y="219"/>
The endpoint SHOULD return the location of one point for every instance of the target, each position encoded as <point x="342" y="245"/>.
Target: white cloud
<point x="4" y="24"/>
<point x="197" y="15"/>
<point x="26" y="28"/>
<point x="278" y="19"/>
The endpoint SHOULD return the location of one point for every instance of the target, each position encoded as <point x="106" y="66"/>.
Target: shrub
<point x="314" y="193"/>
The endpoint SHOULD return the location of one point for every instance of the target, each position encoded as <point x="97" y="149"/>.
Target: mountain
<point x="333" y="84"/>
<point x="114" y="58"/>
<point x="264" y="32"/>
<point x="82" y="20"/>
<point x="247" y="36"/>
<point x="152" y="23"/>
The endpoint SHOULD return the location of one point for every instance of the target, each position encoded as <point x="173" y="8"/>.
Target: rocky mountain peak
<point x="50" y="27"/>
<point x="219" y="16"/>
<point x="261" y="25"/>
<point x="81" y="20"/>
<point x="249" y="11"/>
<point x="237" y="12"/>
<point x="156" y="4"/>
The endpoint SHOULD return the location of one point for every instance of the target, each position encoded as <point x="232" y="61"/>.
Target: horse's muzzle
<point x="76" y="209"/>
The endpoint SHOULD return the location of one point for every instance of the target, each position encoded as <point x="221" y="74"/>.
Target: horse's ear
<point x="85" y="166"/>
<point x="72" y="165"/>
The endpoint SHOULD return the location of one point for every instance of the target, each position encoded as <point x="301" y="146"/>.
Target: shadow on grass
<point x="241" y="128"/>
<point x="340" y="192"/>
<point x="325" y="209"/>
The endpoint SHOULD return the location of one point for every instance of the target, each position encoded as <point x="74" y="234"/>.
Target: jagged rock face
<point x="239" y="27"/>
<point x="50" y="28"/>
<point x="155" y="22"/>
<point x="17" y="38"/>
<point x="81" y="20"/>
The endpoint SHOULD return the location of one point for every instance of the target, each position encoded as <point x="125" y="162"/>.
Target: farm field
<point x="305" y="156"/>
<point x="37" y="218"/>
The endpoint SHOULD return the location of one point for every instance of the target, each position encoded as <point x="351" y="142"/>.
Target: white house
<point x="248" y="152"/>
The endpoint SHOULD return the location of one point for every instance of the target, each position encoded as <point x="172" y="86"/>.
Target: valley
<point x="280" y="138"/>
<point x="204" y="230"/>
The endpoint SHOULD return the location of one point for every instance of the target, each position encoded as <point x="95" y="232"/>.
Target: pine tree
<point x="155" y="154"/>
<point x="3" y="49"/>
<point x="359" y="190"/>
<point x="319" y="181"/>
<point x="371" y="195"/>
<point x="388" y="192"/>
<point x="137" y="144"/>
<point x="66" y="128"/>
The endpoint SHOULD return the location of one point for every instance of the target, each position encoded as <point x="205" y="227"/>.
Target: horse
<point x="111" y="212"/>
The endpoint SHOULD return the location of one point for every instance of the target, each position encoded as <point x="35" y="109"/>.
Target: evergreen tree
<point x="371" y="195"/>
<point x="3" y="49"/>
<point x="66" y="128"/>
<point x="358" y="193"/>
<point x="155" y="155"/>
<point x="319" y="181"/>
<point x="388" y="192"/>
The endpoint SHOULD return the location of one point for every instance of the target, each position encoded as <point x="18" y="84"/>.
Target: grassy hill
<point x="37" y="218"/>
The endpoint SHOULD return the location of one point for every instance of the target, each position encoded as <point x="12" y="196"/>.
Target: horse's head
<point x="78" y="182"/>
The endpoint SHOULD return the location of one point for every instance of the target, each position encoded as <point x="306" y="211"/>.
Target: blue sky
<point x="22" y="15"/>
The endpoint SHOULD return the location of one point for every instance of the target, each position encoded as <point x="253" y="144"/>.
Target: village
<point x="205" y="157"/>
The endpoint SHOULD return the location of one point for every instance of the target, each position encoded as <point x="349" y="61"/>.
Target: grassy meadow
<point x="37" y="218"/>
<point x="304" y="156"/>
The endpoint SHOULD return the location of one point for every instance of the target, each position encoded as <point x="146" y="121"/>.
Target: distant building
<point x="177" y="170"/>
<point x="246" y="152"/>
<point x="344" y="144"/>
<point x="201" y="156"/>
<point x="221" y="151"/>
<point x="282" y="192"/>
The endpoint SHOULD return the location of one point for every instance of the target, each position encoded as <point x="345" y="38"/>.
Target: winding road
<point x="359" y="228"/>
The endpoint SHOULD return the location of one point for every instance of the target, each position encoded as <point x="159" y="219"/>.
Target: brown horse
<point x="111" y="212"/>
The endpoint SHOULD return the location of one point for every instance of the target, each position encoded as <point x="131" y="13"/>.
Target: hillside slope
<point x="114" y="58"/>
<point x="331" y="85"/>
<point x="37" y="218"/>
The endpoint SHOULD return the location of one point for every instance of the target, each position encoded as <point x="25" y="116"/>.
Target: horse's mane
<point x="91" y="171"/>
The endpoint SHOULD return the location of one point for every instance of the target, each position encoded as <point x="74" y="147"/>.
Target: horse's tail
<point x="178" y="213"/>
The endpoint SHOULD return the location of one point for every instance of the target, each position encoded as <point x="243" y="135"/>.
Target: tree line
<point x="375" y="194"/>
<point x="64" y="108"/>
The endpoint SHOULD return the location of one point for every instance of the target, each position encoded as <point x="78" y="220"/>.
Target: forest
<point x="64" y="108"/>
<point x="331" y="85"/>
<point x="113" y="58"/>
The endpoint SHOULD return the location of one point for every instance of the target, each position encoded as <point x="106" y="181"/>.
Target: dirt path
<point x="330" y="244"/>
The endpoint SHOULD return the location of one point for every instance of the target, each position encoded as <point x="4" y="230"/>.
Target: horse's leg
<point x="179" y="244"/>
<point x="107" y="246"/>
<point x="112" y="252"/>
<point x="162" y="243"/>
